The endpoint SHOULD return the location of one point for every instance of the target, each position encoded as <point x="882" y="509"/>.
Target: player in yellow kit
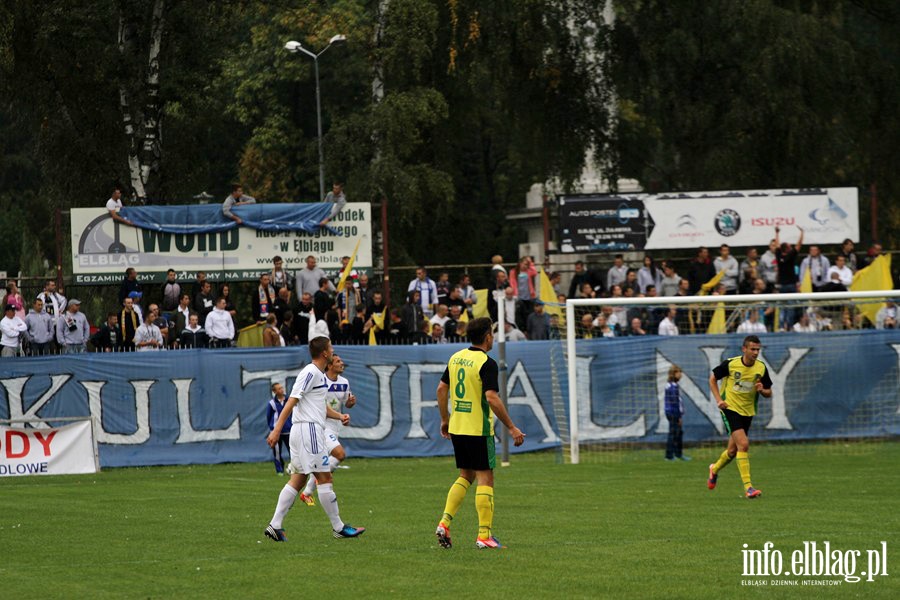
<point x="470" y="381"/>
<point x="744" y="379"/>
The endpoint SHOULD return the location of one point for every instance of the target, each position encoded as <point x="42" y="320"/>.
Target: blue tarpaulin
<point x="208" y="218"/>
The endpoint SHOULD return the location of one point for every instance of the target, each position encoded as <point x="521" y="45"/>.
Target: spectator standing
<point x="54" y="302"/>
<point x="281" y="277"/>
<point x="230" y="308"/>
<point x="129" y="321"/>
<point x="786" y="255"/>
<point x="839" y="276"/>
<point x="467" y="293"/>
<point x="347" y="301"/>
<point x="413" y="315"/>
<point x="171" y="292"/>
<point x="749" y="272"/>
<point x="849" y="255"/>
<point x="15" y="298"/>
<point x="874" y="252"/>
<point x="282" y="305"/>
<point x="219" y="326"/>
<point x="114" y="205"/>
<point x="437" y="334"/>
<point x="443" y="287"/>
<point x="497" y="267"/>
<point x="441" y="316"/>
<point x="817" y="264"/>
<point x="521" y="280"/>
<point x="667" y="326"/>
<point x="701" y="270"/>
<point x="337" y="199"/>
<point x="670" y="281"/>
<point x="12" y="328"/>
<point x="273" y="411"/>
<point x="236" y="198"/>
<point x="107" y="337"/>
<point x="129" y="284"/>
<point x="375" y="304"/>
<point x="805" y="324"/>
<point x="308" y="278"/>
<point x="768" y="266"/>
<point x="271" y="334"/>
<point x="182" y="315"/>
<point x="148" y="337"/>
<point x="729" y="264"/>
<point x="452" y="325"/>
<point x="648" y="274"/>
<point x="160" y="321"/>
<point x="617" y="273"/>
<point x="322" y="301"/>
<point x="674" y="409"/>
<point x="363" y="288"/>
<point x="631" y="283"/>
<point x="304" y="311"/>
<point x="193" y="336"/>
<point x="538" y="323"/>
<point x="39" y="329"/>
<point x="427" y="291"/>
<point x="203" y="301"/>
<point x="72" y="329"/>
<point x="263" y="299"/>
<point x="351" y="276"/>
<point x="578" y="279"/>
<point x="636" y="327"/>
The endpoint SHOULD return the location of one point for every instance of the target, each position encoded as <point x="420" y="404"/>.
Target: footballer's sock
<point x="743" y="460"/>
<point x="484" y="504"/>
<point x="328" y="500"/>
<point x="455" y="498"/>
<point x="723" y="461"/>
<point x="310" y="486"/>
<point x="285" y="501"/>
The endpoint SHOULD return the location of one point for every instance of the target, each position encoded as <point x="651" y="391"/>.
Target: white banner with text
<point x="63" y="450"/>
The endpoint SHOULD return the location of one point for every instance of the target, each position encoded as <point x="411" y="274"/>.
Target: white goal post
<point x="579" y="409"/>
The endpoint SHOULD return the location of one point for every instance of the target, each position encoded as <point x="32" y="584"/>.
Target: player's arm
<point x="720" y="372"/>
<point x="443" y="394"/>
<point x="273" y="436"/>
<point x="351" y="400"/>
<point x="764" y="385"/>
<point x="489" y="375"/>
<point x="333" y="414"/>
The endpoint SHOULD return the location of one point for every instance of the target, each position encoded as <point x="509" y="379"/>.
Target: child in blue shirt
<point x="674" y="412"/>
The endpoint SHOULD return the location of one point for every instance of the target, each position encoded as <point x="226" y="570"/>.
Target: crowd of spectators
<point x="291" y="306"/>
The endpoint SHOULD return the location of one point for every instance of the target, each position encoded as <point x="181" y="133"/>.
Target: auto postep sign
<point x="601" y="223"/>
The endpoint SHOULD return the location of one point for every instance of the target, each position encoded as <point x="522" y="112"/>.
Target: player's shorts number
<point x="461" y="383"/>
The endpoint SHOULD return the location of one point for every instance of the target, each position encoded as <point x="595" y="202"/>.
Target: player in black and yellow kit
<point x="745" y="379"/>
<point x="470" y="381"/>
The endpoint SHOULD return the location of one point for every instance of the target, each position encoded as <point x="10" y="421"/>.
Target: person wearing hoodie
<point x="39" y="332"/>
<point x="219" y="326"/>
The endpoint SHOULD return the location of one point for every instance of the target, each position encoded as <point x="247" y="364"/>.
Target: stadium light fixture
<point x="294" y="47"/>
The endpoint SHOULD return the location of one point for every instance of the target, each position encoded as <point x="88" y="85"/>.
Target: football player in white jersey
<point x="311" y="449"/>
<point x="339" y="397"/>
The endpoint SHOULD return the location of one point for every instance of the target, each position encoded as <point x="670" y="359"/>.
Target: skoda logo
<point x="728" y="222"/>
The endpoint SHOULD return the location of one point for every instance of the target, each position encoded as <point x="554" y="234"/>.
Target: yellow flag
<point x="548" y="296"/>
<point x="717" y="323"/>
<point x="378" y="325"/>
<point x="464" y="316"/>
<point x="710" y="285"/>
<point x="346" y="272"/>
<point x="480" y="308"/>
<point x="806" y="285"/>
<point x="251" y="336"/>
<point x="875" y="277"/>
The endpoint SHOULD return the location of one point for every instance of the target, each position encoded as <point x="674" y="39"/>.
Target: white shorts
<point x="311" y="448"/>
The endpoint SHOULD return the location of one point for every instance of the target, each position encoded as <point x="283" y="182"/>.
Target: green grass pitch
<point x="629" y="525"/>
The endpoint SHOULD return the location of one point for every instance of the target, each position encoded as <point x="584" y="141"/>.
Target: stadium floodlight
<point x="294" y="47"/>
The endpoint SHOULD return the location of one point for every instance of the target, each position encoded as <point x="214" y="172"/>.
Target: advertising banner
<point x="208" y="406"/>
<point x="64" y="450"/>
<point x="601" y="223"/>
<point x="749" y="218"/>
<point x="102" y="249"/>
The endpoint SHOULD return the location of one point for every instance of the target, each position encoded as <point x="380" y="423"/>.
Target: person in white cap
<point x="12" y="327"/>
<point x="72" y="329"/>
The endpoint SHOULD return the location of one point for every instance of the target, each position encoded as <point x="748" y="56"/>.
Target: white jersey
<point x="338" y="394"/>
<point x="310" y="389"/>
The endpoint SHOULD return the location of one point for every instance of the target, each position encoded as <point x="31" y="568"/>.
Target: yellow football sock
<point x="455" y="498"/>
<point x="743" y="460"/>
<point x="484" y="504"/>
<point x="723" y="461"/>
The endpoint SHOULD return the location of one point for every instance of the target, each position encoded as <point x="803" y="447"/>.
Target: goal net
<point x="833" y="359"/>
